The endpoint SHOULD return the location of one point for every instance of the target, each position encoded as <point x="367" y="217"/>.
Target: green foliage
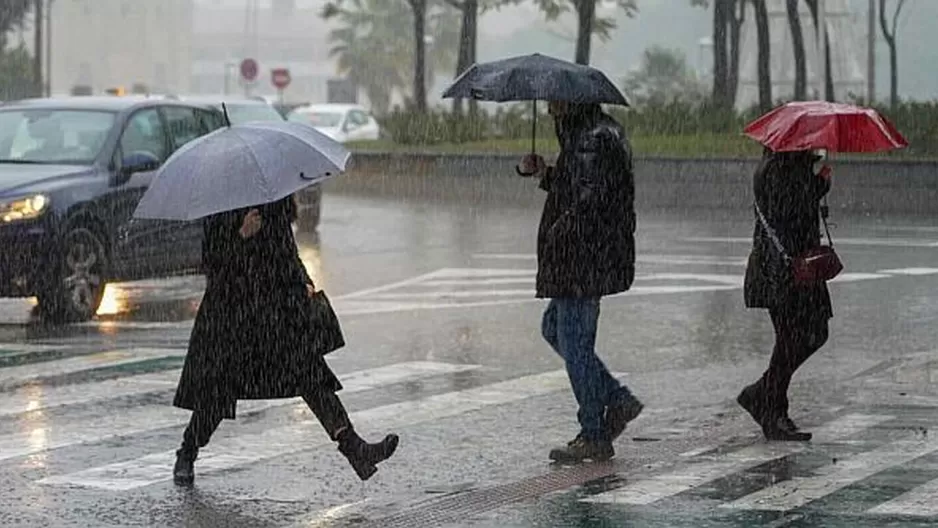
<point x="602" y="26"/>
<point x="704" y="126"/>
<point x="16" y="75"/>
<point x="12" y="16"/>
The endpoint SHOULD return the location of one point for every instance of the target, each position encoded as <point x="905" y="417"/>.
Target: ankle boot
<point x="184" y="470"/>
<point x="364" y="456"/>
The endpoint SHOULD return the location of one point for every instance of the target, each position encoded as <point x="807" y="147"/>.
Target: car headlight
<point x="23" y="208"/>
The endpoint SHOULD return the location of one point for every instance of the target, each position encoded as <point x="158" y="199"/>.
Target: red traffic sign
<point x="280" y="77"/>
<point x="249" y="70"/>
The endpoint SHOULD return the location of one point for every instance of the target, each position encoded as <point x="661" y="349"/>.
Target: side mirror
<point x="136" y="162"/>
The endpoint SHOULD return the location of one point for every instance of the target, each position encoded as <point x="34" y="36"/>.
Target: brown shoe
<point x="580" y="449"/>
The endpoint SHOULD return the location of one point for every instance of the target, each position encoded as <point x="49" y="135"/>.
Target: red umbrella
<point x="836" y="127"/>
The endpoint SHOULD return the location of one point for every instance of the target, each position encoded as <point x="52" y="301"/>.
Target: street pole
<point x="38" y="51"/>
<point x="871" y="54"/>
<point x="822" y="49"/>
<point x="49" y="49"/>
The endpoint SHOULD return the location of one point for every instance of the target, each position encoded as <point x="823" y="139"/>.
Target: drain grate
<point x="462" y="505"/>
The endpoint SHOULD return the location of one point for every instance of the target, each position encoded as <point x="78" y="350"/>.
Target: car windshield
<point x="53" y="136"/>
<point x="318" y="119"/>
<point x="246" y="113"/>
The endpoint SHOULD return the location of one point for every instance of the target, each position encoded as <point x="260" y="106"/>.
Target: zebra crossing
<point x="846" y="454"/>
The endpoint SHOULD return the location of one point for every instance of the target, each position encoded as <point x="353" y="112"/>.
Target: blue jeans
<point x="569" y="326"/>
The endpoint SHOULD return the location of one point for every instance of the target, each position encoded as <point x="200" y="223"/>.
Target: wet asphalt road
<point x="443" y="348"/>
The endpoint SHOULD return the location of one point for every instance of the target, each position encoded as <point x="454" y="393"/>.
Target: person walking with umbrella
<point x="586" y="250"/>
<point x="586" y="239"/>
<point x="262" y="328"/>
<point x="788" y="267"/>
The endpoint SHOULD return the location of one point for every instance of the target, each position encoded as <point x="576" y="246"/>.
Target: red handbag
<point x="815" y="265"/>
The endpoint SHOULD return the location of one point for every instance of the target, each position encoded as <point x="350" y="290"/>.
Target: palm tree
<point x="375" y="50"/>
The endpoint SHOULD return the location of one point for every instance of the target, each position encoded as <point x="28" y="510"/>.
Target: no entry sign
<point x="249" y="70"/>
<point x="280" y="77"/>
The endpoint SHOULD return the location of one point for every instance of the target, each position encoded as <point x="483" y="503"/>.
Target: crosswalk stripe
<point x="799" y="491"/>
<point x="246" y="449"/>
<point x="151" y="417"/>
<point x="653" y="489"/>
<point x="36" y="397"/>
<point x="921" y="501"/>
<point x="23" y="349"/>
<point x="111" y="358"/>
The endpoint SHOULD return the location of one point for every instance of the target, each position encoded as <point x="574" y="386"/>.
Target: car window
<point x="183" y="125"/>
<point x="210" y="120"/>
<point x="144" y="133"/>
<point x="53" y="136"/>
<point x="358" y="118"/>
<point x="247" y="113"/>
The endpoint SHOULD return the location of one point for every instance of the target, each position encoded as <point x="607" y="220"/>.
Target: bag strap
<point x="825" y="211"/>
<point x="771" y="233"/>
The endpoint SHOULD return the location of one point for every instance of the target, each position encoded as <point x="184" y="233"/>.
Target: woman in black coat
<point x="253" y="337"/>
<point x="788" y="193"/>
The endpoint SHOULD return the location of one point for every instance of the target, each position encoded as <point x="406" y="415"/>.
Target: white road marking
<point x="678" y="260"/>
<point x="911" y="271"/>
<point x="721" y="465"/>
<point x="112" y="358"/>
<point x="798" y="491"/>
<point x="921" y="501"/>
<point x="150" y="417"/>
<point x="242" y="450"/>
<point x="883" y="242"/>
<point x="24" y="349"/>
<point x="37" y="397"/>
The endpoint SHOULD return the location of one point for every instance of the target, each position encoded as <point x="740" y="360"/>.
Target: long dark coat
<point x="789" y="194"/>
<point x="586" y="238"/>
<point x="252" y="335"/>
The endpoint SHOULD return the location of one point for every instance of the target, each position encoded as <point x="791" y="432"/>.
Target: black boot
<point x="184" y="470"/>
<point x="782" y="429"/>
<point x="364" y="456"/>
<point x="619" y="415"/>
<point x="580" y="449"/>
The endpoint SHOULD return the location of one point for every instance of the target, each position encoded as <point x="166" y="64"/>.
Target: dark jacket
<point x="252" y="334"/>
<point x="586" y="239"/>
<point x="789" y="193"/>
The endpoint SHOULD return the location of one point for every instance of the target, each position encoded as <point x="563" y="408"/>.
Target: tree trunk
<point x="420" y="55"/>
<point x="736" y="24"/>
<point x="829" y="77"/>
<point x="797" y="42"/>
<point x="893" y="77"/>
<point x="468" y="33"/>
<point x="764" y="72"/>
<point x="586" y="15"/>
<point x="721" y="17"/>
<point x="890" y="38"/>
<point x="473" y="34"/>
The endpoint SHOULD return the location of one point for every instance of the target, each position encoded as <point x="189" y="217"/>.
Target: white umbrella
<point x="241" y="166"/>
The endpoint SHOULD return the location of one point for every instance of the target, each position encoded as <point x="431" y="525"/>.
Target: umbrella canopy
<point x="535" y="77"/>
<point x="836" y="127"/>
<point x="241" y="166"/>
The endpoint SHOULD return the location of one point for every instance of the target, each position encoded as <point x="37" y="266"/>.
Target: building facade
<point x="103" y="44"/>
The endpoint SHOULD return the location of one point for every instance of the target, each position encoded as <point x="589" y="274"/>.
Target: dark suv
<point x="71" y="173"/>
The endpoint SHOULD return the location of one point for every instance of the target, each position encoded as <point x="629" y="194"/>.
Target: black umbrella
<point x="532" y="78"/>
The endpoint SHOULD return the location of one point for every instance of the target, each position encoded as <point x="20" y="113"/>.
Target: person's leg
<point x="362" y="455"/>
<point x="549" y="327"/>
<point x="592" y="383"/>
<point x="801" y="334"/>
<point x="196" y="436"/>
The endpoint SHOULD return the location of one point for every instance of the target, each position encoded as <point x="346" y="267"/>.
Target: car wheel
<point x="76" y="288"/>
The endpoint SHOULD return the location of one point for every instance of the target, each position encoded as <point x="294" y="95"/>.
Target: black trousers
<point x="326" y="406"/>
<point x="799" y="333"/>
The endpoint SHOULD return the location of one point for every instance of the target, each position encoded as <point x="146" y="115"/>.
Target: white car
<point x="341" y="122"/>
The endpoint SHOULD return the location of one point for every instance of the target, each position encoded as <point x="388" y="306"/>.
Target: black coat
<point x="252" y="337"/>
<point x="586" y="239"/>
<point x="789" y="194"/>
